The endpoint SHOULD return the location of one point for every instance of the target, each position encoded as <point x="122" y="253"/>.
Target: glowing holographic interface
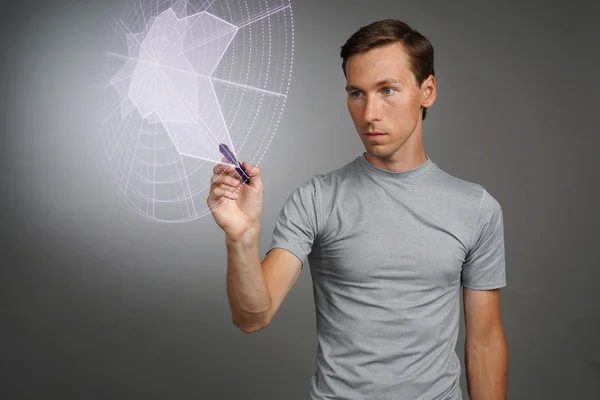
<point x="184" y="77"/>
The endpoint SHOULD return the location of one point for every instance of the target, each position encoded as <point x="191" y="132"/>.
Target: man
<point x="391" y="240"/>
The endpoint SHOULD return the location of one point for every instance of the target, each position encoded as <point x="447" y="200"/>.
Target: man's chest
<point x="385" y="243"/>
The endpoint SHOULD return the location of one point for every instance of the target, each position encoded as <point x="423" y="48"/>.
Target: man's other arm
<point x="486" y="350"/>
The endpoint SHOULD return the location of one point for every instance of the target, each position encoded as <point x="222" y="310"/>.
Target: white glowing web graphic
<point x="184" y="77"/>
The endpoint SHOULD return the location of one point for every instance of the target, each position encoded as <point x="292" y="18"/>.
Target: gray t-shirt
<point x="388" y="253"/>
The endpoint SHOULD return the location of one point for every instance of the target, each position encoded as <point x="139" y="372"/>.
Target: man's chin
<point x="379" y="148"/>
<point x="379" y="151"/>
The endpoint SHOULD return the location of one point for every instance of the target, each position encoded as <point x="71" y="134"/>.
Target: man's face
<point x="383" y="97"/>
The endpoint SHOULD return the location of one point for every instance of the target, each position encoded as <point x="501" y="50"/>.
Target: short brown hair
<point x="379" y="33"/>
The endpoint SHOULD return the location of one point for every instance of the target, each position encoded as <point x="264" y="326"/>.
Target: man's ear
<point x="428" y="88"/>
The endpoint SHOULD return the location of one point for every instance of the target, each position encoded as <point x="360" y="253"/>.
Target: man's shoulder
<point x="458" y="185"/>
<point x="329" y="180"/>
<point x="454" y="181"/>
<point x="469" y="193"/>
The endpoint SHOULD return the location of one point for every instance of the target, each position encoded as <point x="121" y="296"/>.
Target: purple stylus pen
<point x="228" y="154"/>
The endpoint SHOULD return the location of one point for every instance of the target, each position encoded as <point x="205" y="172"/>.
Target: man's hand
<point x="236" y="207"/>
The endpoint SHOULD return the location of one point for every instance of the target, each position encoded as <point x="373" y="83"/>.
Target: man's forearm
<point x="246" y="286"/>
<point x="487" y="367"/>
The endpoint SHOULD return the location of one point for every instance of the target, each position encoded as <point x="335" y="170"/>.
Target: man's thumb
<point x="254" y="172"/>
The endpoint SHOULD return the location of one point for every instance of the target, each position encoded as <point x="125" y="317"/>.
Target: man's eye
<point x="388" y="90"/>
<point x="355" y="94"/>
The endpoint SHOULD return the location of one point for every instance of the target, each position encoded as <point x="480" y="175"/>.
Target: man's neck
<point x="399" y="163"/>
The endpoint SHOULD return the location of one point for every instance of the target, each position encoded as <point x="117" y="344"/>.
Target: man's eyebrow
<point x="388" y="82"/>
<point x="378" y="84"/>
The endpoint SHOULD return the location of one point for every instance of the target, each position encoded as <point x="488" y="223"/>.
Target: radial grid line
<point x="240" y="85"/>
<point x="206" y="40"/>
<point x="137" y="14"/>
<point x="209" y="5"/>
<point x="143" y="14"/>
<point x="261" y="16"/>
<point x="112" y="83"/>
<point x="252" y="88"/>
<point x="206" y="159"/>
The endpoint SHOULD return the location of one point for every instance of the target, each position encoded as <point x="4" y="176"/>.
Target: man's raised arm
<point x="255" y="290"/>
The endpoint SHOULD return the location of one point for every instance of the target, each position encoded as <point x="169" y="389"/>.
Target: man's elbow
<point x="494" y="342"/>
<point x="251" y="328"/>
<point x="252" y="325"/>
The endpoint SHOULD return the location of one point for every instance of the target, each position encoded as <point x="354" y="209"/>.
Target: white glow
<point x="185" y="77"/>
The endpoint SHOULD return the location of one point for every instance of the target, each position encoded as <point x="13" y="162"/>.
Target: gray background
<point x="95" y="303"/>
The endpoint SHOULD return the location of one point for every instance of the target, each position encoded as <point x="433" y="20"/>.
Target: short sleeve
<point x="485" y="266"/>
<point x="297" y="223"/>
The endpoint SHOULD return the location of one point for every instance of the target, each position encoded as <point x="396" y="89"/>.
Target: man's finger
<point x="222" y="168"/>
<point x="225" y="179"/>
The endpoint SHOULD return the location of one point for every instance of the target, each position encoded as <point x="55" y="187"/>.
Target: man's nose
<point x="372" y="111"/>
